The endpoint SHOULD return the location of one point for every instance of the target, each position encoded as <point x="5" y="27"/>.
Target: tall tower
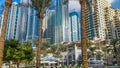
<point x="1" y="21"/>
<point x="62" y="21"/>
<point x="22" y="19"/>
<point x="22" y="22"/>
<point x="1" y="16"/>
<point x="65" y="19"/>
<point x="12" y="22"/>
<point x="74" y="26"/>
<point x="28" y="21"/>
<point x="112" y="18"/>
<point x="95" y="19"/>
<point x="49" y="25"/>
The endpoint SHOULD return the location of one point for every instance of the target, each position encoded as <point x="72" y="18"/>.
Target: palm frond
<point x="40" y="5"/>
<point x="114" y="41"/>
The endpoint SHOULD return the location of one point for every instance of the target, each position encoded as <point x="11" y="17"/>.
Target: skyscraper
<point x="1" y="21"/>
<point x="1" y="16"/>
<point x="12" y="22"/>
<point x="49" y="25"/>
<point x="102" y="21"/>
<point x="95" y="19"/>
<point x="25" y="23"/>
<point x="74" y="26"/>
<point x="1" y="8"/>
<point x="62" y="22"/>
<point x="57" y="22"/>
<point x="66" y="24"/>
<point x="22" y="22"/>
<point x="29" y="22"/>
<point x="112" y="18"/>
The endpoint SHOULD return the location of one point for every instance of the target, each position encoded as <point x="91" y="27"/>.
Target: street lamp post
<point x="94" y="55"/>
<point x="107" y="45"/>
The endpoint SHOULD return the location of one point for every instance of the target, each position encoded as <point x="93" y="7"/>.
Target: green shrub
<point x="82" y="67"/>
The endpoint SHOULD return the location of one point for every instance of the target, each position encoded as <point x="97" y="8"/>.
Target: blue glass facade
<point x="51" y="26"/>
<point x="36" y="27"/>
<point x="62" y="22"/>
<point x="33" y="25"/>
<point x="12" y="22"/>
<point x="91" y="24"/>
<point x="74" y="26"/>
<point x="1" y="20"/>
<point x="1" y="8"/>
<point x="27" y="24"/>
<point x="22" y="27"/>
<point x="22" y="23"/>
<point x="58" y="24"/>
<point x="30" y="24"/>
<point x="28" y="21"/>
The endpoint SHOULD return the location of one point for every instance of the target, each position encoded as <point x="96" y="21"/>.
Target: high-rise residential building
<point x="22" y="22"/>
<point x="102" y="21"/>
<point x="62" y="22"/>
<point x="45" y="23"/>
<point x="25" y="24"/>
<point x="74" y="26"/>
<point x="1" y="8"/>
<point x="66" y="24"/>
<point x="1" y="16"/>
<point x="56" y="22"/>
<point x="1" y="21"/>
<point x="32" y="25"/>
<point x="112" y="18"/>
<point x="49" y="25"/>
<point x="12" y="22"/>
<point x="95" y="19"/>
<point x="28" y="21"/>
<point x="117" y="23"/>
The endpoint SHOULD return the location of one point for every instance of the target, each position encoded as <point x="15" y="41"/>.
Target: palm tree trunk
<point x="3" y="31"/>
<point x="39" y="42"/>
<point x="18" y="63"/>
<point x="83" y="35"/>
<point x="11" y="64"/>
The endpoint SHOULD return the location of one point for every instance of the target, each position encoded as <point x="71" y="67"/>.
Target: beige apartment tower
<point x="102" y="20"/>
<point x="112" y="18"/>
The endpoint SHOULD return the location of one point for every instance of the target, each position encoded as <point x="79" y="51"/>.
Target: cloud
<point x="74" y="5"/>
<point x="111" y="1"/>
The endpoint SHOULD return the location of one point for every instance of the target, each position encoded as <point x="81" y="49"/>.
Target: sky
<point x="73" y="4"/>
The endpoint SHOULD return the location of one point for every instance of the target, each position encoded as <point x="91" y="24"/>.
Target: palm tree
<point x="40" y="6"/>
<point x="115" y="50"/>
<point x="114" y="43"/>
<point x="3" y="31"/>
<point x="83" y="35"/>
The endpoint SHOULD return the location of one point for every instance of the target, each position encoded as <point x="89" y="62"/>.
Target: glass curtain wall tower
<point x="22" y="22"/>
<point x="74" y="26"/>
<point x="12" y="22"/>
<point x="1" y="21"/>
<point x="50" y="31"/>
<point x="62" y="22"/>
<point x="1" y="16"/>
<point x="31" y="21"/>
